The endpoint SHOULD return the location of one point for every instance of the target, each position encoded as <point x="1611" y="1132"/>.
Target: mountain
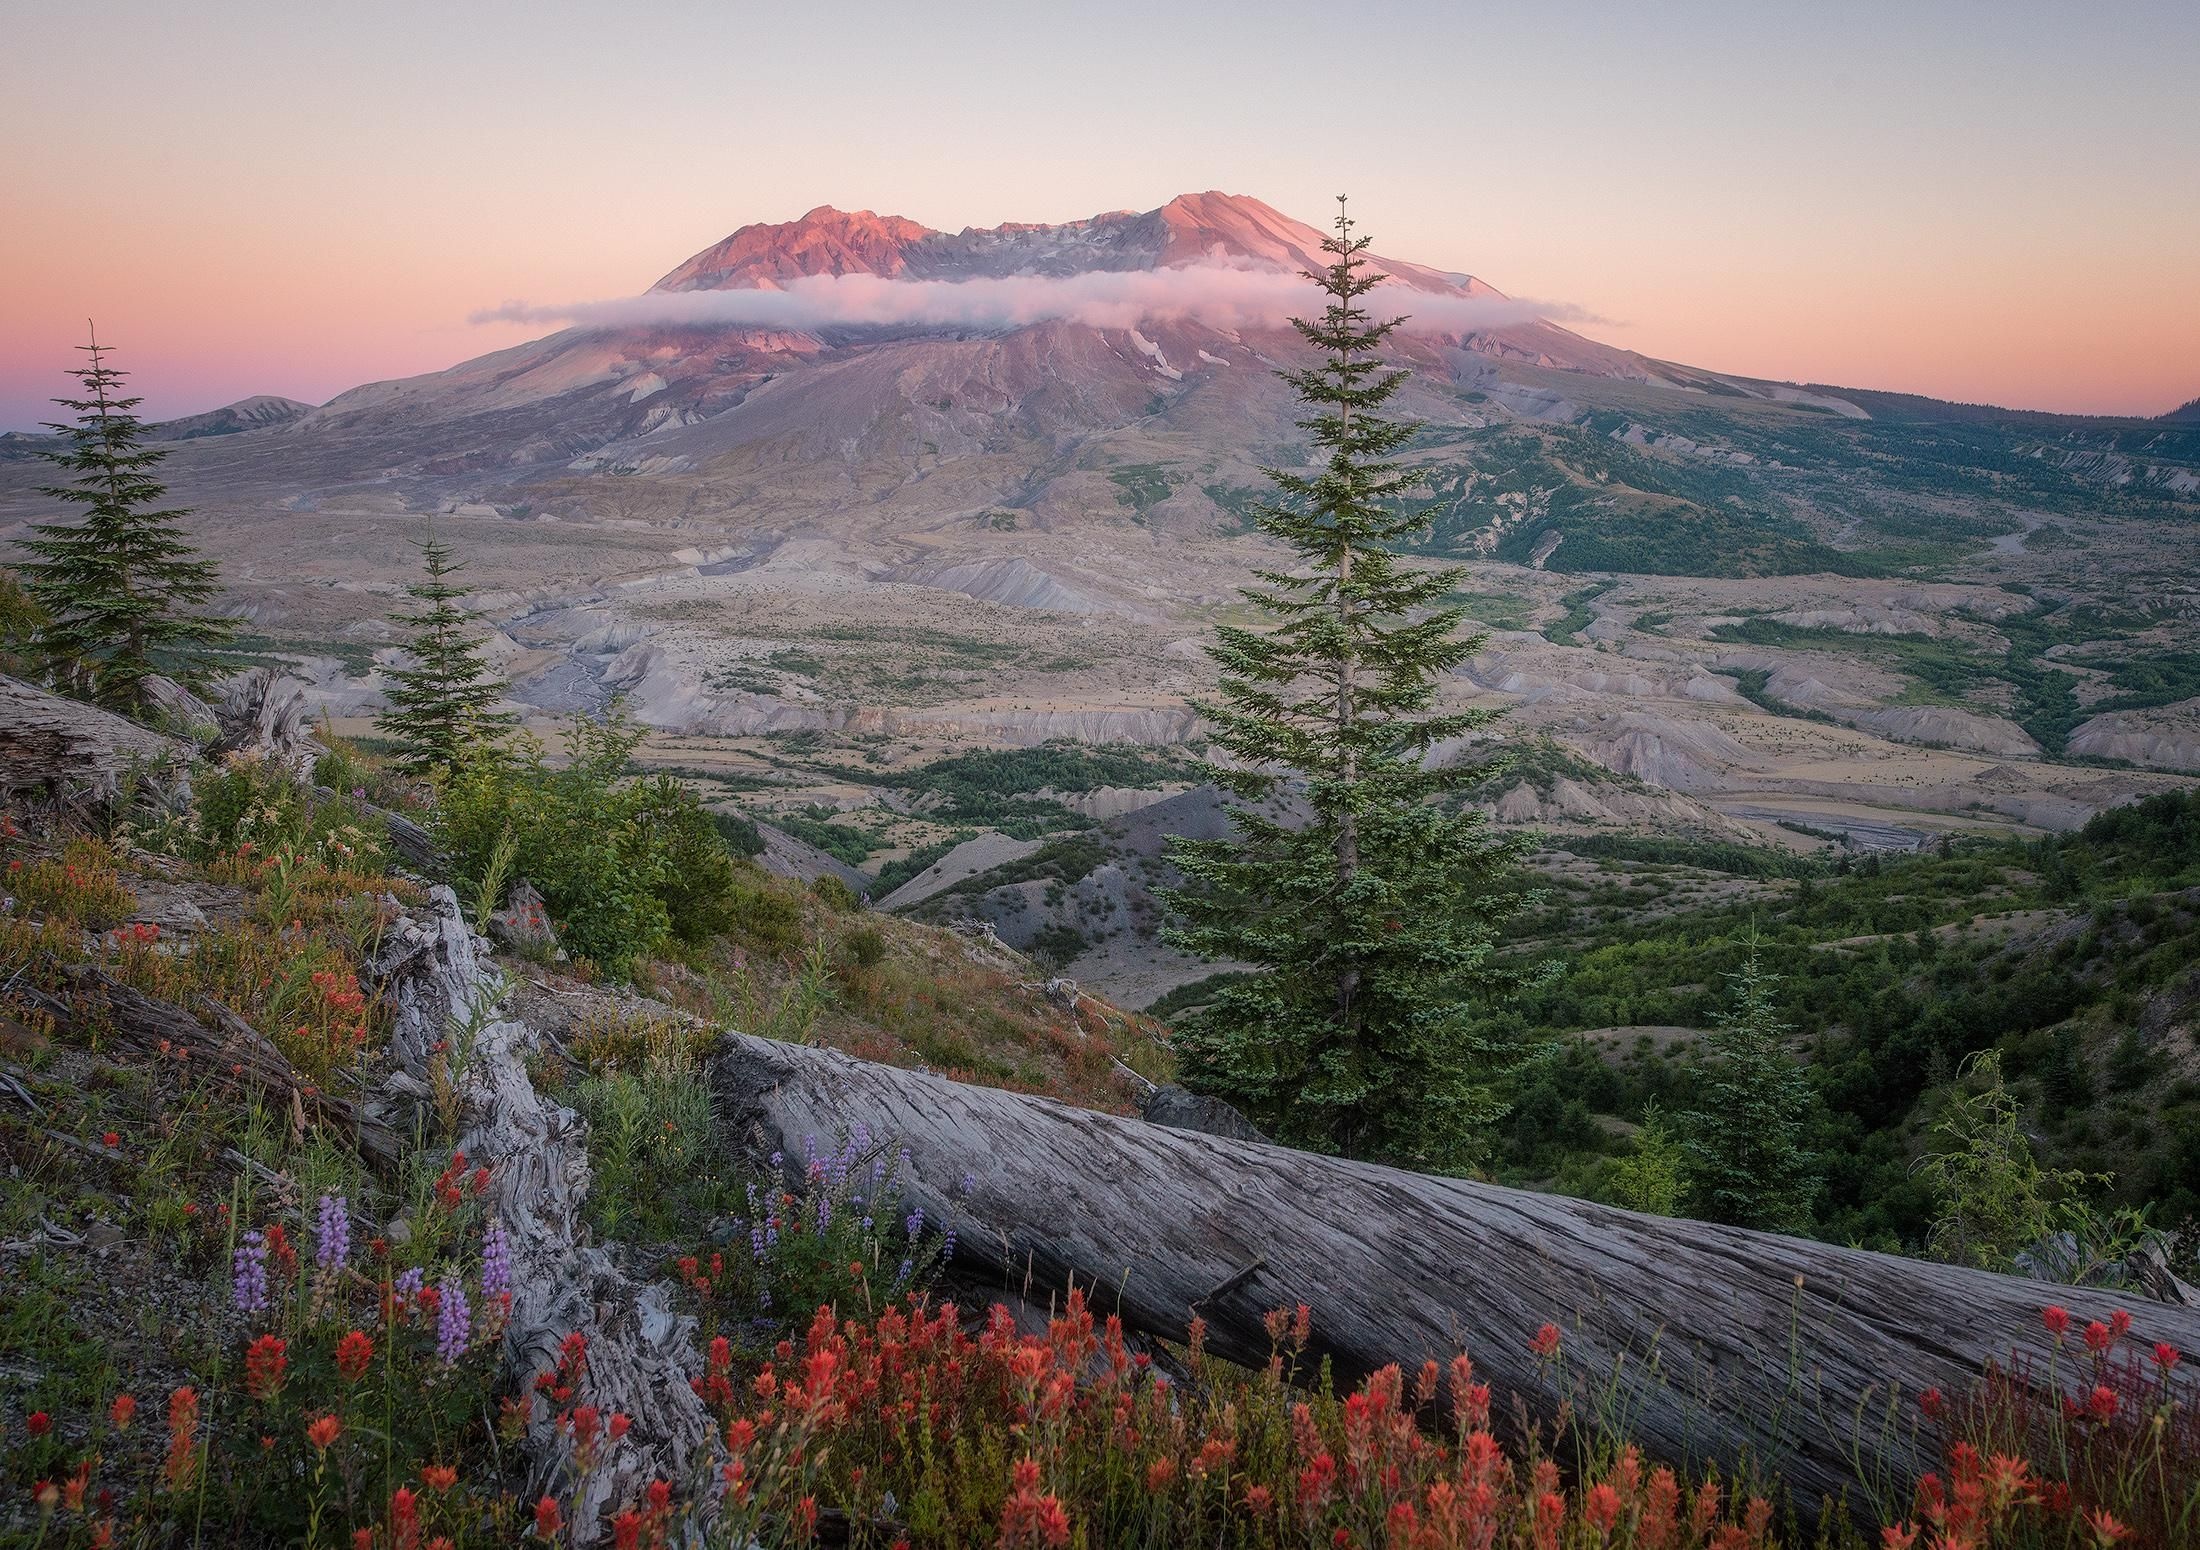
<point x="1189" y="229"/>
<point x="810" y="521"/>
<point x="259" y="412"/>
<point x="2185" y="414"/>
<point x="262" y="411"/>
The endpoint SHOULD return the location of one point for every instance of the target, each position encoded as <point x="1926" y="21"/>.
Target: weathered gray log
<point x="1713" y="1342"/>
<point x="48" y="742"/>
<point x="640" y="1353"/>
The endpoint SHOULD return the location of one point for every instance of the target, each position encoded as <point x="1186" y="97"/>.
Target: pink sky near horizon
<point x="1985" y="203"/>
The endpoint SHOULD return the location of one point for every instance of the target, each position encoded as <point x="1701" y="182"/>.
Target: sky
<point x="1987" y="202"/>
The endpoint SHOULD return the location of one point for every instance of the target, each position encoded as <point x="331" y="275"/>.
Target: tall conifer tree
<point x="1747" y="1162"/>
<point x="1371" y="923"/>
<point x="121" y="585"/>
<point x="442" y="708"/>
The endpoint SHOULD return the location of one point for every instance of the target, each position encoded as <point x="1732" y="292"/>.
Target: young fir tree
<point x="1747" y="1164"/>
<point x="1366" y="909"/>
<point x="441" y="707"/>
<point x="121" y="585"/>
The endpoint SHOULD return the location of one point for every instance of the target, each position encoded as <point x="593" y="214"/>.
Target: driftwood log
<point x="640" y="1353"/>
<point x="225" y="1050"/>
<point x="49" y="743"/>
<point x="1716" y="1344"/>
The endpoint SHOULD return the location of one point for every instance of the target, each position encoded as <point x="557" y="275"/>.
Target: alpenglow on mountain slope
<point x="963" y="492"/>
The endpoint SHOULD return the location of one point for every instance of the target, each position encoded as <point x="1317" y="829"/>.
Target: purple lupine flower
<point x="947" y="1246"/>
<point x="453" y="1321"/>
<point x="763" y="1299"/>
<point x="904" y="1272"/>
<point x="248" y="1273"/>
<point x="915" y="1222"/>
<point x="332" y="1238"/>
<point x="824" y="1212"/>
<point x="970" y="1183"/>
<point x="756" y="1243"/>
<point x="779" y="1160"/>
<point x="409" y="1283"/>
<point x="496" y="1261"/>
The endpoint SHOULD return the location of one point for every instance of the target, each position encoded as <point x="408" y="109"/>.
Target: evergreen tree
<point x="1367" y="909"/>
<point x="1654" y="1176"/>
<point x="1747" y="1164"/>
<point x="120" y="585"/>
<point x="441" y="707"/>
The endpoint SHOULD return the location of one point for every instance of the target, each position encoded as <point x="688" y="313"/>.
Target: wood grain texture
<point x="640" y="1353"/>
<point x="1715" y="1343"/>
<point x="48" y="742"/>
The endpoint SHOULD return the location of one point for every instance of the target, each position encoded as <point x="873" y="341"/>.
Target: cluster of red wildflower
<point x="266" y="1361"/>
<point x="1104" y="1448"/>
<point x="693" y="1276"/>
<point x="454" y="1183"/>
<point x="2094" y="1441"/>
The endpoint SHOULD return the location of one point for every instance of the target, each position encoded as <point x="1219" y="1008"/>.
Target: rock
<point x="1181" y="1109"/>
<point x="524" y="921"/>
<point x="397" y="1231"/>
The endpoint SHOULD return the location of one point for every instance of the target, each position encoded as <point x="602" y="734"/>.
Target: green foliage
<point x="249" y="802"/>
<point x="740" y="833"/>
<point x="1498" y="610"/>
<point x="1578" y="615"/>
<point x="1654" y="1176"/>
<point x="992" y="787"/>
<point x="819" y="826"/>
<point x="894" y="873"/>
<point x="838" y="1229"/>
<point x="834" y="894"/>
<point x="1371" y="924"/>
<point x="649" y="1140"/>
<point x="1954" y="672"/>
<point x="1142" y="486"/>
<point x="1728" y="856"/>
<point x="623" y="867"/>
<point x="442" y="707"/>
<point x="21" y="620"/>
<point x="1994" y="1198"/>
<point x="120" y="586"/>
<point x="1754" y="685"/>
<point x="1747" y="1162"/>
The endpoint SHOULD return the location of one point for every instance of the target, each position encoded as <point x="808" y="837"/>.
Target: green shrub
<point x="836" y="894"/>
<point x="863" y="948"/>
<point x="624" y="867"/>
<point x="250" y="802"/>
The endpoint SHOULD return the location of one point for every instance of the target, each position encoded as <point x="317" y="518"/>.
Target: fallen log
<point x="51" y="743"/>
<point x="225" y="1050"/>
<point x="1715" y="1344"/>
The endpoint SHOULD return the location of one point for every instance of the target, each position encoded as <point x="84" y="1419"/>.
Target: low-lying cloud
<point x="1224" y="296"/>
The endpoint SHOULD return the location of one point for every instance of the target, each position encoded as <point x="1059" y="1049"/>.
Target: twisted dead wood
<point x="1713" y="1343"/>
<point x="640" y="1353"/>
